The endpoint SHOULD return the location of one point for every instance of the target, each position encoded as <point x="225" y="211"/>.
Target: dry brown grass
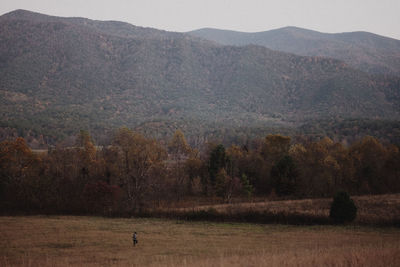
<point x="95" y="241"/>
<point x="373" y="209"/>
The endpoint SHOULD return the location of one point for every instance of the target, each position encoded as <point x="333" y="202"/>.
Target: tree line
<point x="135" y="173"/>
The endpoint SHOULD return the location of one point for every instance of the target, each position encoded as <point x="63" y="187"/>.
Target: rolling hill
<point x="59" y="75"/>
<point x="362" y="50"/>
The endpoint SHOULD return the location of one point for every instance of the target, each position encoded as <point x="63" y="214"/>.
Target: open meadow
<point x="372" y="210"/>
<point x="97" y="241"/>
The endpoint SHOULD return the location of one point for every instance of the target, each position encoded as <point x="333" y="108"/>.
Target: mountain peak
<point x="23" y="14"/>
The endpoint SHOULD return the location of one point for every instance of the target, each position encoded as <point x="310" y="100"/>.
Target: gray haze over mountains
<point x="60" y="75"/>
<point x="380" y="17"/>
<point x="362" y="50"/>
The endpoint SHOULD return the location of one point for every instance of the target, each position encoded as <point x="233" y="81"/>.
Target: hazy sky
<point x="377" y="16"/>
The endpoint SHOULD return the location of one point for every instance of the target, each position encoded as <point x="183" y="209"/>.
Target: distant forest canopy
<point x="135" y="172"/>
<point x="198" y="133"/>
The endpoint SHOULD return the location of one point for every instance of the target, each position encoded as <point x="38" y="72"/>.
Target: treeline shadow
<point x="258" y="217"/>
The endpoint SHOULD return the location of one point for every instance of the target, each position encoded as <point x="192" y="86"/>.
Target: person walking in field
<point x="134" y="239"/>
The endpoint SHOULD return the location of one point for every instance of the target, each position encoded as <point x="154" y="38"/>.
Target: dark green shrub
<point x="343" y="208"/>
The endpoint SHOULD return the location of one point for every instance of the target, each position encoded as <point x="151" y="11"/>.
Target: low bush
<point x="343" y="208"/>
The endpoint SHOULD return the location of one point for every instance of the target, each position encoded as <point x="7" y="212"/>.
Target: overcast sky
<point x="377" y="16"/>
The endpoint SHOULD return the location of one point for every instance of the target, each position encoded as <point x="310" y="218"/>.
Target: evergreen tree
<point x="284" y="175"/>
<point x="246" y="186"/>
<point x="343" y="208"/>
<point x="217" y="162"/>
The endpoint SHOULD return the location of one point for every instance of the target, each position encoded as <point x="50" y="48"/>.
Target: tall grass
<point x="375" y="210"/>
<point x="95" y="241"/>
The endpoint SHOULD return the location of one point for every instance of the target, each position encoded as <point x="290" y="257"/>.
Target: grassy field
<point x="383" y="210"/>
<point x="96" y="241"/>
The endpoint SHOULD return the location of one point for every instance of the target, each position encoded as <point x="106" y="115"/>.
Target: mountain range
<point x="60" y="75"/>
<point x="361" y="50"/>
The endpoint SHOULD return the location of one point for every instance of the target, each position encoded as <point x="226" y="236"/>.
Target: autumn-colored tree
<point x="101" y="198"/>
<point x="329" y="167"/>
<point x="284" y="176"/>
<point x="225" y="186"/>
<point x="19" y="176"/>
<point x="16" y="158"/>
<point x="88" y="168"/>
<point x="178" y="146"/>
<point x="275" y="147"/>
<point x="70" y="169"/>
<point x="392" y="170"/>
<point x="110" y="157"/>
<point x="318" y="166"/>
<point x="300" y="156"/>
<point x="140" y="159"/>
<point x="369" y="157"/>
<point x="257" y="171"/>
<point x="136" y="171"/>
<point x="179" y="151"/>
<point x="236" y="157"/>
<point x="344" y="171"/>
<point x="194" y="169"/>
<point x="87" y="148"/>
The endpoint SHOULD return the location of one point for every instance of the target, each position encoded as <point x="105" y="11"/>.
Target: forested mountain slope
<point x="362" y="50"/>
<point x="59" y="75"/>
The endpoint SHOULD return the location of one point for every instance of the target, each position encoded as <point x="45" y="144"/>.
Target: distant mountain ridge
<point x="362" y="50"/>
<point x="60" y="75"/>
